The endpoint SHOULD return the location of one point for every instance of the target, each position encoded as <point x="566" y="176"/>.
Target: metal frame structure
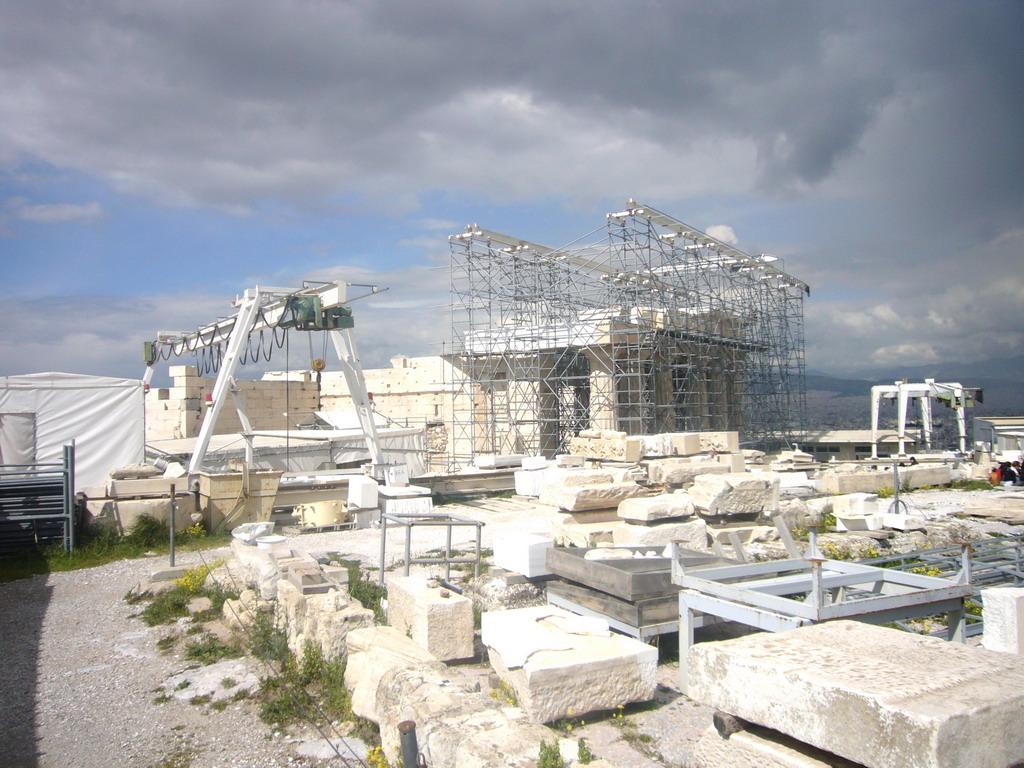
<point x="786" y="594"/>
<point x="652" y="326"/>
<point x="410" y="521"/>
<point x="261" y="309"/>
<point x="954" y="394"/>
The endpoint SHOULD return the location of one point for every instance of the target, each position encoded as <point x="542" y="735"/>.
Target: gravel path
<point x="81" y="675"/>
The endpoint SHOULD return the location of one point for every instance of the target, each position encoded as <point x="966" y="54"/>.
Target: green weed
<point x="208" y="649"/>
<point x="550" y="755"/>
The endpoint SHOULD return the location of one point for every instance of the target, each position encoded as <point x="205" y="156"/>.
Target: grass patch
<point x="208" y="649"/>
<point x="99" y="545"/>
<point x="973" y="485"/>
<point x="305" y="686"/>
<point x="173" y="604"/>
<point x="220" y="705"/>
<point x="367" y="591"/>
<point x="167" y="643"/>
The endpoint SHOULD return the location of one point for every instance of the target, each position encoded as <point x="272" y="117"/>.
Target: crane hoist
<point x="316" y="306"/>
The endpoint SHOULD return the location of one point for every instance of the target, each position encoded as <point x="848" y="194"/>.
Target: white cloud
<point x="58" y="213"/>
<point x="723" y="233"/>
<point x="904" y="354"/>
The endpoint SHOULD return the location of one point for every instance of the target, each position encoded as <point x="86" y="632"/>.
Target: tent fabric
<point x="105" y="417"/>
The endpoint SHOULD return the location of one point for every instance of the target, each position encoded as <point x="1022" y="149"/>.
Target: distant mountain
<point x="1006" y="368"/>
<point x="840" y="403"/>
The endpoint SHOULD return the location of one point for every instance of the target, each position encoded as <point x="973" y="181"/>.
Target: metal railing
<point x="37" y="504"/>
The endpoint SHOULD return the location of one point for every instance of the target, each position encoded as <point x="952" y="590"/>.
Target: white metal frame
<point x="902" y="391"/>
<point x="262" y="308"/>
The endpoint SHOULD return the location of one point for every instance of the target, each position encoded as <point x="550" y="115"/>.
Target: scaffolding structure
<point x="644" y="326"/>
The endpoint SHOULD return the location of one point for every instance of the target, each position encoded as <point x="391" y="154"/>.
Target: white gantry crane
<point x="314" y="307"/>
<point x="952" y="394"/>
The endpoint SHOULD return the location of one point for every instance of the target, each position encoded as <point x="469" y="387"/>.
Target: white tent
<point x="42" y="412"/>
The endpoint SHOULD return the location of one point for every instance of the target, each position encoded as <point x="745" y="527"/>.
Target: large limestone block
<point x="683" y="471"/>
<point x="735" y="495"/>
<point x="372" y="652"/>
<point x="615" y="449"/>
<point x="574" y="477"/>
<point x="437" y="619"/>
<point x="1004" y="619"/>
<point x="723" y="442"/>
<point x="693" y="532"/>
<point x="122" y="514"/>
<point x="649" y="509"/>
<point x="529" y="482"/>
<point x="855" y="504"/>
<point x="919" y="476"/>
<point x="877" y="696"/>
<point x="574" y="499"/>
<point x="522" y="552"/>
<point x="837" y="482"/>
<point x="756" y="747"/>
<point x="671" y="444"/>
<point x="559" y="663"/>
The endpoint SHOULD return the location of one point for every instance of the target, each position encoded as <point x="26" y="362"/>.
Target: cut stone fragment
<point x="372" y="652"/>
<point x="735" y="495"/>
<point x="723" y="442"/>
<point x="877" y="696"/>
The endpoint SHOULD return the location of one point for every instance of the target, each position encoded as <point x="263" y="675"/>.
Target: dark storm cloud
<point x="227" y="102"/>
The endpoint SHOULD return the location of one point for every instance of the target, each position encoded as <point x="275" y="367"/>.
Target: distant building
<point x="999" y="434"/>
<point x="853" y="444"/>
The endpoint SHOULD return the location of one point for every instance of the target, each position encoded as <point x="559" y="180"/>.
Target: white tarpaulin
<point x="40" y="413"/>
<point x="302" y="450"/>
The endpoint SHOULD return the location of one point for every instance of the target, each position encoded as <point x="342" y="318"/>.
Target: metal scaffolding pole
<point x="652" y="326"/>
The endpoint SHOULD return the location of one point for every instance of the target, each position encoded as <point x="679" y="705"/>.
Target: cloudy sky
<point x="157" y="158"/>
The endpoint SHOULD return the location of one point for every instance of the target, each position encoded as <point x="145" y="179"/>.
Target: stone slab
<point x="1004" y="619"/>
<point x="693" y="532"/>
<point x="168" y="573"/>
<point x="855" y="504"/>
<point x="574" y="499"/>
<point x="559" y="663"/>
<point x="649" y="509"/>
<point x="877" y="696"/>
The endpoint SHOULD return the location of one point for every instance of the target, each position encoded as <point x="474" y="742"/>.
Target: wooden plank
<point x="640" y="613"/>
